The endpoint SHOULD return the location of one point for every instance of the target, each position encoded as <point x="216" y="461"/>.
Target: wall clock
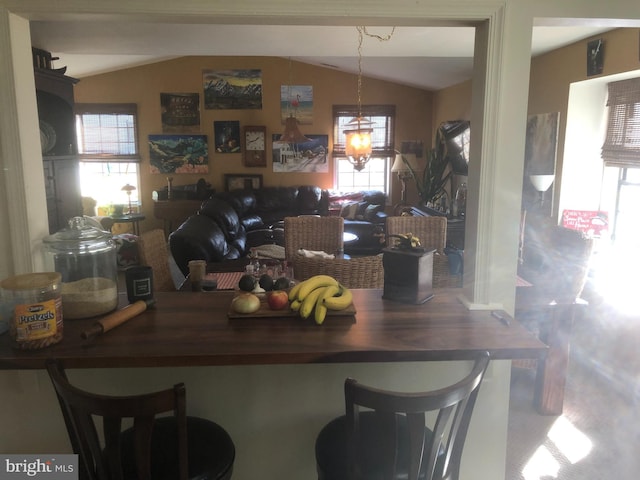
<point x="255" y="146"/>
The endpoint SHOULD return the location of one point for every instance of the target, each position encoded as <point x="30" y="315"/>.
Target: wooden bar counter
<point x="192" y="329"/>
<point x="272" y="382"/>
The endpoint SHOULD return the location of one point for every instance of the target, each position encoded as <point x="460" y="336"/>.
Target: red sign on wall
<point x="592" y="222"/>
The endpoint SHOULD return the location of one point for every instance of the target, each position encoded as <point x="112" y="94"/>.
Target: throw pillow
<point x="371" y="212"/>
<point x="362" y="206"/>
<point x="349" y="210"/>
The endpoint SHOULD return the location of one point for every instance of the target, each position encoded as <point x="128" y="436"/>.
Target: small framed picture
<point x="595" y="57"/>
<point x="241" y="181"/>
<point x="227" y="136"/>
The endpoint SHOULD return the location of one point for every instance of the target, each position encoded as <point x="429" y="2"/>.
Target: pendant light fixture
<point x="358" y="146"/>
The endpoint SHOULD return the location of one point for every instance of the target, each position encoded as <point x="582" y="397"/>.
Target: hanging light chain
<point x="360" y="30"/>
<point x="381" y="38"/>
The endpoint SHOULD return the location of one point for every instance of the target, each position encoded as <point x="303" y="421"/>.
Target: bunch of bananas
<point x="319" y="294"/>
<point x="406" y="240"/>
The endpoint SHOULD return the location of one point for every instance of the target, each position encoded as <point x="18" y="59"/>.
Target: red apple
<point x="278" y="299"/>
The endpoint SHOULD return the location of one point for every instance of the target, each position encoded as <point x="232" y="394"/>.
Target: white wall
<point x="273" y="413"/>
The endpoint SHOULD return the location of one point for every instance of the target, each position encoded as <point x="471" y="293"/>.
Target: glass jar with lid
<point x="85" y="256"/>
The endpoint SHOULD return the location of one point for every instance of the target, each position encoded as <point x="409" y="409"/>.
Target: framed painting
<point x="305" y="157"/>
<point x="412" y="146"/>
<point x="180" y="112"/>
<point x="296" y="101"/>
<point x="232" y="89"/>
<point x="541" y="144"/>
<point x="242" y="181"/>
<point x="179" y="153"/>
<point x="227" y="136"/>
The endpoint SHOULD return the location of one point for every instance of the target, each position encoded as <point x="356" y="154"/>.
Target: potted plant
<point x="431" y="183"/>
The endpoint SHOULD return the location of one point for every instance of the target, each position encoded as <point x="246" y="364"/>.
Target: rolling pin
<point x="117" y="318"/>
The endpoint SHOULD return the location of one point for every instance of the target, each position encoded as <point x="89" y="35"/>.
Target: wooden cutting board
<point x="265" y="312"/>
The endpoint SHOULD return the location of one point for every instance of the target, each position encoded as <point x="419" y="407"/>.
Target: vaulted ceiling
<point x="430" y="58"/>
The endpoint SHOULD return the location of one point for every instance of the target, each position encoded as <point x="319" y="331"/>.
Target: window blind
<point x="107" y="132"/>
<point x="622" y="144"/>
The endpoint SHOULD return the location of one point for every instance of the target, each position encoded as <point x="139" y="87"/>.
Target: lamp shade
<point x="404" y="165"/>
<point x="541" y="182"/>
<point x="292" y="133"/>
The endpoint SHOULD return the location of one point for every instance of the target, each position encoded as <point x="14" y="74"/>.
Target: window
<point x="621" y="150"/>
<point x="108" y="148"/>
<point x="375" y="175"/>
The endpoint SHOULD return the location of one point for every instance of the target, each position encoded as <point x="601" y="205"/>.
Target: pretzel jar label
<point x="36" y="321"/>
<point x="36" y="303"/>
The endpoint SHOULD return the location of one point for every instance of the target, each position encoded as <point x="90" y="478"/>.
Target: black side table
<point x="133" y="218"/>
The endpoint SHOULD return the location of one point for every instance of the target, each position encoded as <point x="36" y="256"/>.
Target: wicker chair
<point x="432" y="232"/>
<point x="153" y="252"/>
<point x="313" y="233"/>
<point x="359" y="272"/>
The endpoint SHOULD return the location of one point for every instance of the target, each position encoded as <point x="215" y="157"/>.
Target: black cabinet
<point x="455" y="233"/>
<point x="54" y="94"/>
<point x="62" y="187"/>
<point x="455" y="225"/>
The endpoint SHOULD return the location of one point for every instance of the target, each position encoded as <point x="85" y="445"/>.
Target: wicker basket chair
<point x="432" y="232"/>
<point x="313" y="233"/>
<point x="153" y="252"/>
<point x="358" y="272"/>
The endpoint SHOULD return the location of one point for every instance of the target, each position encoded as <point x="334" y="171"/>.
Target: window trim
<point x="111" y="109"/>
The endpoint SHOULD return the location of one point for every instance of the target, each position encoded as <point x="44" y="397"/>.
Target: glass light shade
<point x="405" y="165"/>
<point x="541" y="182"/>
<point x="358" y="142"/>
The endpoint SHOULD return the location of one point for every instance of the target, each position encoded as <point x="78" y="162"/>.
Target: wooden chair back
<point x="358" y="272"/>
<point x="432" y="232"/>
<point x="154" y="252"/>
<point x="436" y="451"/>
<point x="313" y="233"/>
<point x="102" y="460"/>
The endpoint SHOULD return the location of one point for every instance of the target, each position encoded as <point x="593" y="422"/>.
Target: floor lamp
<point x="403" y="164"/>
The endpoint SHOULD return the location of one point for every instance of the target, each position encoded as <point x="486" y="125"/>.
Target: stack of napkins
<point x="315" y="254"/>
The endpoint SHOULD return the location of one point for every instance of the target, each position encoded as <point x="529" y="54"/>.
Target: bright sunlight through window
<point x="109" y="160"/>
<point x="567" y="440"/>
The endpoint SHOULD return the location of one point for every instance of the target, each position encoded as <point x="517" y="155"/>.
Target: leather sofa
<point x="229" y="224"/>
<point x="364" y="216"/>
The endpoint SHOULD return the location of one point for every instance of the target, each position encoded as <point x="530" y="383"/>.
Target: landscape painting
<point x="304" y="157"/>
<point x="296" y="101"/>
<point x="232" y="89"/>
<point x="179" y="153"/>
